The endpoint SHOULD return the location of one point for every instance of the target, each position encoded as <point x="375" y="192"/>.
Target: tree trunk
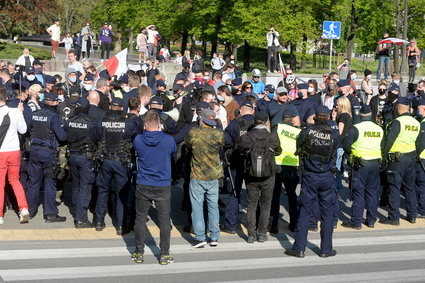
<point x="193" y="45"/>
<point x="246" y="55"/>
<point x="353" y="25"/>
<point x="405" y="24"/>
<point x="214" y="45"/>
<point x="303" y="52"/>
<point x="293" y="57"/>
<point x="397" y="30"/>
<point x="185" y="38"/>
<point x="235" y="51"/>
<point x="130" y="40"/>
<point x="228" y="49"/>
<point x="204" y="47"/>
<point x="117" y="45"/>
<point x="214" y="40"/>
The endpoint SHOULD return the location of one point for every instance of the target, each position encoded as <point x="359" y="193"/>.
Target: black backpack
<point x="259" y="161"/>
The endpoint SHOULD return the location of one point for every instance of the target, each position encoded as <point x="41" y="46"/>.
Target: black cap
<point x="160" y="82"/>
<point x="342" y="83"/>
<point x="403" y="100"/>
<point x="260" y="117"/>
<point x="89" y="77"/>
<point x="30" y="70"/>
<point x="117" y="102"/>
<point x="83" y="102"/>
<point x="270" y="88"/>
<point x="37" y="62"/>
<point x="237" y="81"/>
<point x="124" y="79"/>
<point x="302" y="86"/>
<point x="104" y="74"/>
<point x="246" y="103"/>
<point x="51" y="96"/>
<point x="393" y="87"/>
<point x="177" y="88"/>
<point x="198" y="85"/>
<point x="289" y="112"/>
<point x="323" y="110"/>
<point x="202" y="105"/>
<point x="156" y="100"/>
<point x="49" y="79"/>
<point x="365" y="110"/>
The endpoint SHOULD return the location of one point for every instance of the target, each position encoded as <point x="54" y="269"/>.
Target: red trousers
<point x="10" y="163"/>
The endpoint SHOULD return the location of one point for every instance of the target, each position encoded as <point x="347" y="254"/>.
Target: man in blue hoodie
<point x="154" y="151"/>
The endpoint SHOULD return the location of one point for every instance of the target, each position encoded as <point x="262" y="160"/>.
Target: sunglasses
<point x="289" y="74"/>
<point x="248" y="87"/>
<point x="255" y="76"/>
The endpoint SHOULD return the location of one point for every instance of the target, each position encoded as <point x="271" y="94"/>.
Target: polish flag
<point x="117" y="65"/>
<point x="282" y="67"/>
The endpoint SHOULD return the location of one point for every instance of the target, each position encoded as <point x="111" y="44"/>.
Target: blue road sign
<point x="331" y="30"/>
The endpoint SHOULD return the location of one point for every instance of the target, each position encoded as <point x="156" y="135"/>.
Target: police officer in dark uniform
<point x="317" y="146"/>
<point x="399" y="149"/>
<point x="233" y="131"/>
<point x="115" y="151"/>
<point x="84" y="133"/>
<point x="363" y="144"/>
<point x="30" y="76"/>
<point x="46" y="134"/>
<point x="420" y="165"/>
<point x="303" y="103"/>
<point x="169" y="126"/>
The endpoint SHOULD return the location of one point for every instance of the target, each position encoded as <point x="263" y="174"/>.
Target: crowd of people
<point x="125" y="140"/>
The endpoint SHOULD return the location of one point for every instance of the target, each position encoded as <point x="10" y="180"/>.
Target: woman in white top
<point x="11" y="123"/>
<point x="68" y="43"/>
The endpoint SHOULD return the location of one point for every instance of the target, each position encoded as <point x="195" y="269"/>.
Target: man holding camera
<point x="272" y="47"/>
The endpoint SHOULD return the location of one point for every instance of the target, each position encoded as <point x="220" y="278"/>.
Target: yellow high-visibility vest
<point x="288" y="142"/>
<point x="409" y="131"/>
<point x="368" y="144"/>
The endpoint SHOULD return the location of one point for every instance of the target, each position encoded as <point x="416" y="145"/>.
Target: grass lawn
<point x="258" y="60"/>
<point x="13" y="51"/>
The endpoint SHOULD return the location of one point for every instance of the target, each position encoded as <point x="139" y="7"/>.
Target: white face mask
<point x="397" y="82"/>
<point x="206" y="78"/>
<point x="126" y="88"/>
<point x="31" y="77"/>
<point x="61" y="98"/>
<point x="72" y="79"/>
<point x="87" y="87"/>
<point x="310" y="89"/>
<point x="353" y="78"/>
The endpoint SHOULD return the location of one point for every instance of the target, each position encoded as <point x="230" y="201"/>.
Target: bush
<point x="13" y="51"/>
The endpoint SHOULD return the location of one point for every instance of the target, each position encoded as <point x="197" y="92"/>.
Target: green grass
<point x="258" y="57"/>
<point x="13" y="51"/>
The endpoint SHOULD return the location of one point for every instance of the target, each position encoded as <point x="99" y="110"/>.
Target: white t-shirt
<point x="77" y="66"/>
<point x="17" y="124"/>
<point x="151" y="35"/>
<point x="68" y="42"/>
<point x="217" y="63"/>
<point x="56" y="32"/>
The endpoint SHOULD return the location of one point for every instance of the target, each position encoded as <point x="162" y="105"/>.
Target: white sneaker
<point x="1" y="220"/>
<point x="24" y="216"/>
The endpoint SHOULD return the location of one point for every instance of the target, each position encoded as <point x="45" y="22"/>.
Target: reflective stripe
<point x="368" y="144"/>
<point x="422" y="155"/>
<point x="288" y="142"/>
<point x="409" y="131"/>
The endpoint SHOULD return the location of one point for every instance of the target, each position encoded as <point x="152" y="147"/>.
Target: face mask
<point x="270" y="95"/>
<point x="382" y="91"/>
<point x="331" y="86"/>
<point x="61" y="98"/>
<point x="31" y="77"/>
<point x="72" y="79"/>
<point x="421" y="93"/>
<point x="353" y="78"/>
<point x="397" y="82"/>
<point x="310" y="89"/>
<point x="232" y="61"/>
<point x="206" y="78"/>
<point x="219" y="98"/>
<point x="87" y="87"/>
<point x="39" y="70"/>
<point x="41" y="96"/>
<point x="126" y="88"/>
<point x="300" y="94"/>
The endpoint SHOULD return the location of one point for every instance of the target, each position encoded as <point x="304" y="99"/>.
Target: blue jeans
<point x="339" y="161"/>
<point x="200" y="190"/>
<point x="383" y="60"/>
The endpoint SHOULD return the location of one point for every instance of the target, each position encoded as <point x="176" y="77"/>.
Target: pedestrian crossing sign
<point x="331" y="30"/>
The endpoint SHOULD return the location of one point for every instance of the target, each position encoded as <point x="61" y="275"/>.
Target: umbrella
<point x="393" y="40"/>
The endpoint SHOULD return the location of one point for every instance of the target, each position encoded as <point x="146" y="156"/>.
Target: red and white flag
<point x="282" y="67"/>
<point x="117" y="65"/>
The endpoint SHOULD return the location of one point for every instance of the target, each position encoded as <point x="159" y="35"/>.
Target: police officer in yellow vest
<point x="399" y="149"/>
<point x="420" y="165"/>
<point x="363" y="144"/>
<point x="287" y="170"/>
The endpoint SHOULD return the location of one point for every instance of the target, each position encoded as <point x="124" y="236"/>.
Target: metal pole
<point x="330" y="58"/>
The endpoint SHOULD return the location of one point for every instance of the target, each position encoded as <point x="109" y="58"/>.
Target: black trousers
<point x="259" y="191"/>
<point x="145" y="196"/>
<point x="105" y="47"/>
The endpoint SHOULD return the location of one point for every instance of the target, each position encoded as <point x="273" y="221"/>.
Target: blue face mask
<point x="270" y="95"/>
<point x="41" y="96"/>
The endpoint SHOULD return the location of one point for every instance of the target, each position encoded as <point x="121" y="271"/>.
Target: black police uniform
<point x="84" y="133"/>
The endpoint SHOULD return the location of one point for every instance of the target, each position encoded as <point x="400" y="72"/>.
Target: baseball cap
<point x="246" y="103"/>
<point x="104" y="74"/>
<point x="208" y="116"/>
<point x="260" y="117"/>
<point x="323" y="110"/>
<point x="156" y="100"/>
<point x="30" y="70"/>
<point x="37" y="62"/>
<point x="289" y="112"/>
<point x="177" y="88"/>
<point x="342" y="83"/>
<point x="281" y="90"/>
<point x="403" y="100"/>
<point x="89" y="77"/>
<point x="49" y="79"/>
<point x="124" y="79"/>
<point x="237" y="81"/>
<point x="50" y="96"/>
<point x="198" y="85"/>
<point x="393" y="87"/>
<point x="202" y="105"/>
<point x="365" y="110"/>
<point x="302" y="86"/>
<point x="160" y="82"/>
<point x="270" y="88"/>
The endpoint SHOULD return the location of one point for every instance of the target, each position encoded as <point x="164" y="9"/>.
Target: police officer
<point x="234" y="130"/>
<point x="116" y="157"/>
<point x="263" y="103"/>
<point x="88" y="85"/>
<point x="46" y="134"/>
<point x="287" y="171"/>
<point x="400" y="152"/>
<point x="363" y="143"/>
<point x="317" y="145"/>
<point x="169" y="126"/>
<point x="303" y="103"/>
<point x="420" y="165"/>
<point x="84" y="133"/>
